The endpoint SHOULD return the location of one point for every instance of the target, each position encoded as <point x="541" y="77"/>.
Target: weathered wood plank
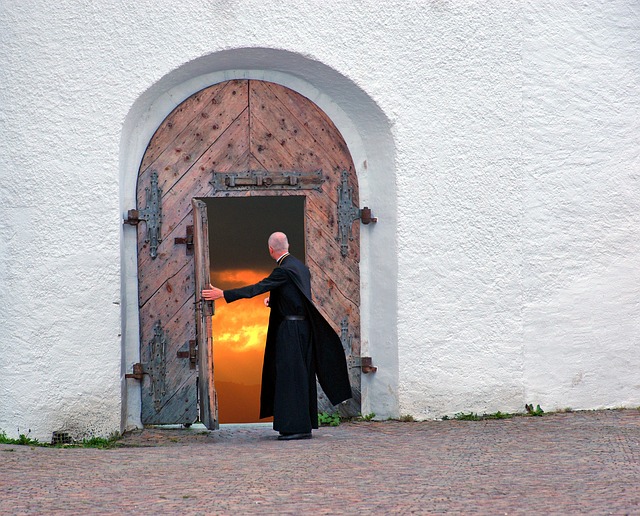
<point x="276" y="136"/>
<point x="178" y="120"/>
<point x="228" y="150"/>
<point x="172" y="294"/>
<point x="177" y="332"/>
<point x="271" y="144"/>
<point x="324" y="252"/>
<point x="197" y="137"/>
<point x="301" y="126"/>
<point x="333" y="309"/>
<point x="180" y="329"/>
<point x="171" y="257"/>
<point x="179" y="405"/>
<point x="325" y="224"/>
<point x="325" y="134"/>
<point x="254" y="164"/>
<point x="325" y="218"/>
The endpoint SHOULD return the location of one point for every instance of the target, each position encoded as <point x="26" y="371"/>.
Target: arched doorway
<point x="237" y="138"/>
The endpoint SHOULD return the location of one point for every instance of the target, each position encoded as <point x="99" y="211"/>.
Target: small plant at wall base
<point x="461" y="416"/>
<point x="22" y="439"/>
<point x="472" y="416"/>
<point x="93" y="442"/>
<point x="101" y="442"/>
<point x="534" y="412"/>
<point x="327" y="419"/>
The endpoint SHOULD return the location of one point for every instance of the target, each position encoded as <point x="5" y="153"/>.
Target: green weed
<point x="472" y="416"/>
<point x="327" y="419"/>
<point x="101" y="442"/>
<point x="534" y="412"/>
<point x="22" y="439"/>
<point x="93" y="442"/>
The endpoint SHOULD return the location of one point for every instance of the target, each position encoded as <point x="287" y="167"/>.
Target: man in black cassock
<point x="300" y="345"/>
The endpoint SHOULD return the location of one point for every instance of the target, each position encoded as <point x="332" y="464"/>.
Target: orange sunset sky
<point x="239" y="333"/>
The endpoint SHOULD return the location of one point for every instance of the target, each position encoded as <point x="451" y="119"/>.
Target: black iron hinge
<point x="348" y="212"/>
<point x="151" y="214"/>
<point x="186" y="240"/>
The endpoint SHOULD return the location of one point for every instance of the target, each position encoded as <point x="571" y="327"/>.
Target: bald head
<point x="278" y="242"/>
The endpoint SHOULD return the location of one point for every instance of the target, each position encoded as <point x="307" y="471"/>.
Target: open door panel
<point x="204" y="311"/>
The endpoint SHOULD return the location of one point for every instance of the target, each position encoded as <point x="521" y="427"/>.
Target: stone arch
<point x="367" y="132"/>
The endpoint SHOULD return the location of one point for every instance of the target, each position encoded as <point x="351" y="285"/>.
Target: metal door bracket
<point x="348" y="212"/>
<point x="138" y="372"/>
<point x="263" y="180"/>
<point x="366" y="363"/>
<point x="187" y="240"/>
<point x="190" y="353"/>
<point x="151" y="214"/>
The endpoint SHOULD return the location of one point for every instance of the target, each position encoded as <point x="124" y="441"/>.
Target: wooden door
<point x="204" y="312"/>
<point x="238" y="138"/>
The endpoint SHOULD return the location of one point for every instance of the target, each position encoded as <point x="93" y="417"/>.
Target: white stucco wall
<point x="527" y="249"/>
<point x="581" y="204"/>
<point x="497" y="142"/>
<point x="460" y="210"/>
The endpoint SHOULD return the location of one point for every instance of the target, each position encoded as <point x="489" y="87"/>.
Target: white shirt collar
<point x="282" y="257"/>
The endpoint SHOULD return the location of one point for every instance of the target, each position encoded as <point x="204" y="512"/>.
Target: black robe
<point x="296" y="350"/>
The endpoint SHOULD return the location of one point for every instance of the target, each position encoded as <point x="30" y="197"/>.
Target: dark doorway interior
<point x="239" y="228"/>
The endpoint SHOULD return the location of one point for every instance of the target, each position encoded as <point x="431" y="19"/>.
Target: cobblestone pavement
<point x="573" y="463"/>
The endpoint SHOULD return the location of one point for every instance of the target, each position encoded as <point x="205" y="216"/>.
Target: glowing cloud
<point x="239" y="334"/>
<point x="242" y="325"/>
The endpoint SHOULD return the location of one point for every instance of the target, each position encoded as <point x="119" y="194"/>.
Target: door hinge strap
<point x="348" y="212"/>
<point x="158" y="365"/>
<point x="151" y="214"/>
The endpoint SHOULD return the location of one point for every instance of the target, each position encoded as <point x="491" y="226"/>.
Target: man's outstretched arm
<point x="275" y="279"/>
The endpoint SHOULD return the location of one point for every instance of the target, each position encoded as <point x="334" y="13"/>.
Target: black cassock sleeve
<point x="276" y="279"/>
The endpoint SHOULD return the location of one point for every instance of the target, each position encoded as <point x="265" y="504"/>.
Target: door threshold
<point x="231" y="426"/>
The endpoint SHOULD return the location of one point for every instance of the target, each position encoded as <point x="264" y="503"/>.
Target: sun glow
<point x="239" y="334"/>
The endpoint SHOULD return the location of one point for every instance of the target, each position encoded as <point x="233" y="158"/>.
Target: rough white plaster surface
<point x="496" y="141"/>
<point x="581" y="204"/>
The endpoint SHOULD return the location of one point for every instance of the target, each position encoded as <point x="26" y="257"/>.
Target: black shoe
<point x="292" y="437"/>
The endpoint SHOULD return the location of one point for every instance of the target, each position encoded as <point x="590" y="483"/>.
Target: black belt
<point x="294" y="317"/>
